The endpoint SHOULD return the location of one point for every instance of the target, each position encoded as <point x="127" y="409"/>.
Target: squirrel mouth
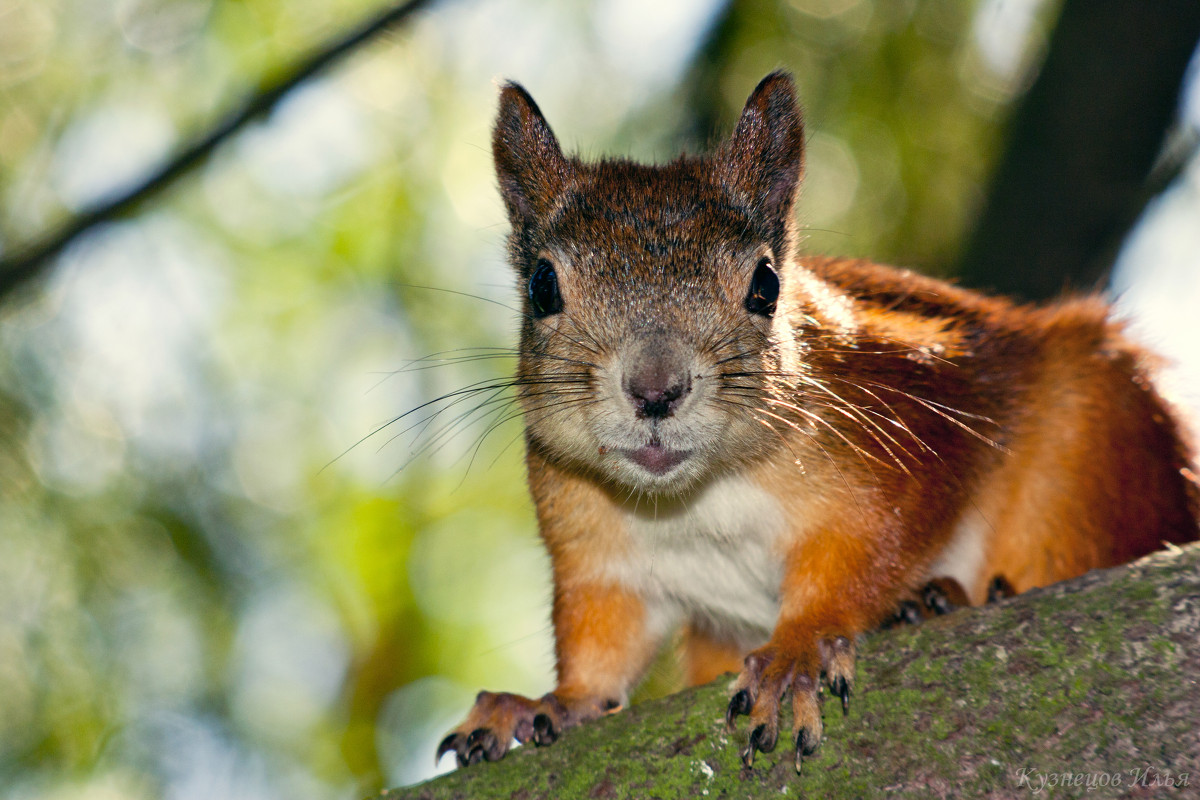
<point x="656" y="459"/>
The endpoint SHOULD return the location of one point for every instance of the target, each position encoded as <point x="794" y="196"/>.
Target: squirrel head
<point x="657" y="300"/>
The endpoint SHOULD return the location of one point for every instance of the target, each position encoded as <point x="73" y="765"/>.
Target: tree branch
<point x="29" y="262"/>
<point x="1088" y="683"/>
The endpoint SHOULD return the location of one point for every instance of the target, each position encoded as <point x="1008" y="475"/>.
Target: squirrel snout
<point x="657" y="380"/>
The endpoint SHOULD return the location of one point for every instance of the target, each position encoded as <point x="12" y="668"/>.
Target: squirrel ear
<point x="764" y="159"/>
<point x="530" y="165"/>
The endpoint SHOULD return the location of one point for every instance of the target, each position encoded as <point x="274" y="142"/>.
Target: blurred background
<point x="229" y="566"/>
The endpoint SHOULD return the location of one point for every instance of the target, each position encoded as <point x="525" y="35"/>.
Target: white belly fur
<point x="963" y="557"/>
<point x="713" y="560"/>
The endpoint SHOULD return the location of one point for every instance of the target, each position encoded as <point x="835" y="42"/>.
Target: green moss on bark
<point x="1092" y="682"/>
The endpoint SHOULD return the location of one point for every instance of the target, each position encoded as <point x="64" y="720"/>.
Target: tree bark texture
<point x="1087" y="688"/>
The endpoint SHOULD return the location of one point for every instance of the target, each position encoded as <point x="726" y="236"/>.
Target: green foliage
<point x="902" y="104"/>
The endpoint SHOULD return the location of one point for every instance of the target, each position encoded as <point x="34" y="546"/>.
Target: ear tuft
<point x="529" y="163"/>
<point x="764" y="159"/>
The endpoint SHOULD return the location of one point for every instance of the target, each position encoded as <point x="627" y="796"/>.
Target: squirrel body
<point x="775" y="450"/>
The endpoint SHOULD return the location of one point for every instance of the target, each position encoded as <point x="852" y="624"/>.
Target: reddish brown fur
<point x="871" y="424"/>
<point x="706" y="657"/>
<point x="1091" y="474"/>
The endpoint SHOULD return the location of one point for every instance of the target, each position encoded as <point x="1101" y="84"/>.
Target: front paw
<point x="770" y="673"/>
<point x="938" y="597"/>
<point x="499" y="718"/>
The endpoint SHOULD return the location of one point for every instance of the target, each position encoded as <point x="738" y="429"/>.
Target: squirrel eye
<point x="764" y="289"/>
<point x="544" y="298"/>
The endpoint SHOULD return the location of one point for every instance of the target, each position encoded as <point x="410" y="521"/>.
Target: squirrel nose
<point x="657" y="382"/>
<point x="652" y="402"/>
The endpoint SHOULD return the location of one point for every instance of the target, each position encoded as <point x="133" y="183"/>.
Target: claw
<point x="474" y="756"/>
<point x="543" y="730"/>
<point x="523" y="731"/>
<point x="446" y="746"/>
<point x="807" y="742"/>
<point x="909" y="613"/>
<point x="999" y="589"/>
<point x="487" y="741"/>
<point x="763" y="739"/>
<point x="841" y="688"/>
<point x="936" y="600"/>
<point x="748" y="756"/>
<point x="803" y="748"/>
<point x="740" y="704"/>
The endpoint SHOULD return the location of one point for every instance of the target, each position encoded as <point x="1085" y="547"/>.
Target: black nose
<point x="656" y="403"/>
<point x="657" y="380"/>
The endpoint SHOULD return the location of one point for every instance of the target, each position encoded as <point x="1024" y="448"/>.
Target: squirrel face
<point x="657" y="299"/>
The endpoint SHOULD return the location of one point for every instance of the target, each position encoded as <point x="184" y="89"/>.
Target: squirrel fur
<point x="775" y="451"/>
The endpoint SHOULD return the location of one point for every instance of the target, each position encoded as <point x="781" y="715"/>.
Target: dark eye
<point x="544" y="298"/>
<point x="764" y="289"/>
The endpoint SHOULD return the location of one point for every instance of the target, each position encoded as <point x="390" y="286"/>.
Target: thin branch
<point x="32" y="260"/>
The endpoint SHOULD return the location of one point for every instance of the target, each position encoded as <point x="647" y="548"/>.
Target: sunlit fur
<point x="879" y="430"/>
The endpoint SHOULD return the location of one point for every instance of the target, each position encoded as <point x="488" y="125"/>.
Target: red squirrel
<point x="774" y="451"/>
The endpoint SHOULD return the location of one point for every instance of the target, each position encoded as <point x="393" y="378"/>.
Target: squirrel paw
<point x="499" y="718"/>
<point x="769" y="674"/>
<point x="939" y="596"/>
<point x="1000" y="589"/>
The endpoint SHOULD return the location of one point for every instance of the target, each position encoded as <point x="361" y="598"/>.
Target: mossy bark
<point x="1087" y="688"/>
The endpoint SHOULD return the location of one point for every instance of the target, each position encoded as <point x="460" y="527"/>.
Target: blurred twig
<point x="30" y="261"/>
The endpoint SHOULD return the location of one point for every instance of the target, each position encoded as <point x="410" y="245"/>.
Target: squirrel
<point x="774" y="451"/>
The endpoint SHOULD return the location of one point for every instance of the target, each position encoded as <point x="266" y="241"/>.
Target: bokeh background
<point x="229" y="567"/>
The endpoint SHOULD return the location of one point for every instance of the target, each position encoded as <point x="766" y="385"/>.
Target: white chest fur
<point x="714" y="560"/>
<point x="963" y="557"/>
